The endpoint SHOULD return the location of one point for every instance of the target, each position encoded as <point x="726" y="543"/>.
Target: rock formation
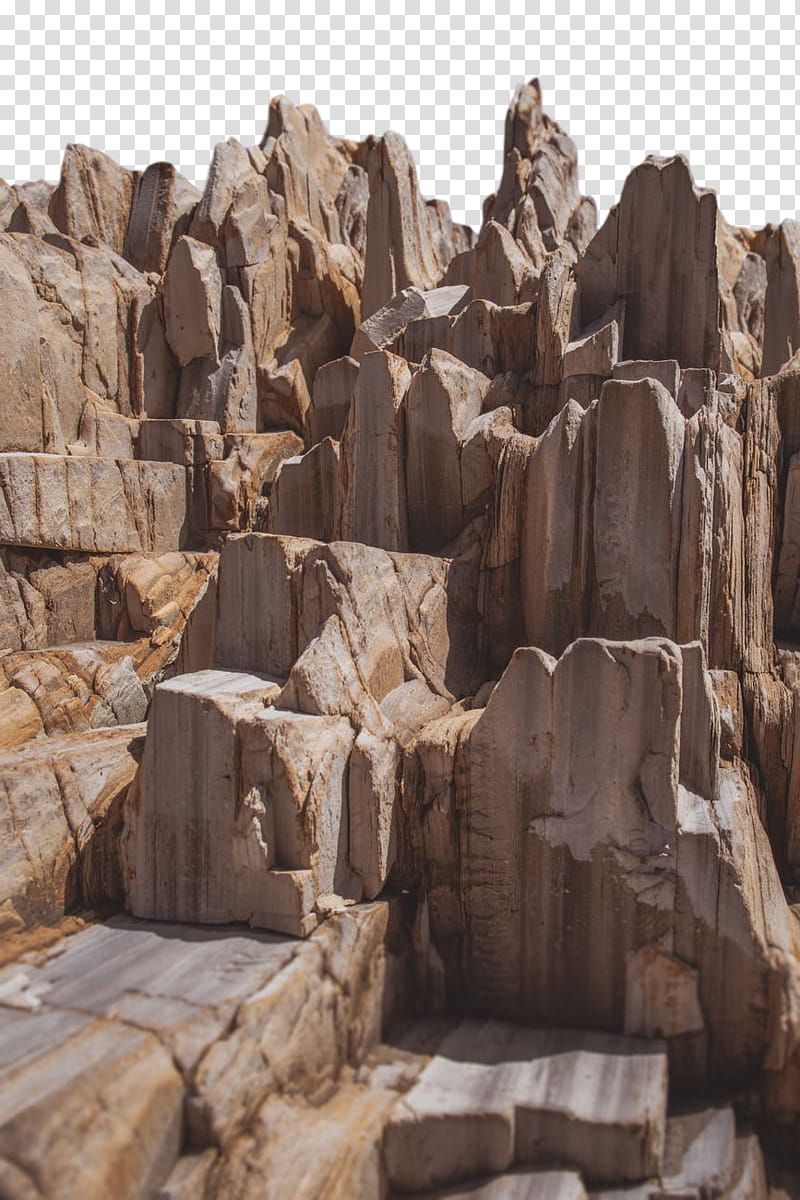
<point x="399" y="682"/>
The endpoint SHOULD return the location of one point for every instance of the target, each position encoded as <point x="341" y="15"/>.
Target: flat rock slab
<point x="496" y="1094"/>
<point x="239" y="1014"/>
<point x="99" y="505"/>
<point x="110" y="1024"/>
<point x="517" y="1185"/>
<point x="180" y="981"/>
<point x="114" y="1039"/>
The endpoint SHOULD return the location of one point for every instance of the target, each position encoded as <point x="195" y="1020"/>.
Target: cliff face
<point x="399" y="676"/>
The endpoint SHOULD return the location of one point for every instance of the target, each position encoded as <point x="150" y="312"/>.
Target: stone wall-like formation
<point x="399" y="681"/>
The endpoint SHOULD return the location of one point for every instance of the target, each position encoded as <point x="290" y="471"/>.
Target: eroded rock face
<point x="388" y="619"/>
<point x="552" y="815"/>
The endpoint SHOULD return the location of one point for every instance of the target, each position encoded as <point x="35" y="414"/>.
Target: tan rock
<point x="443" y="398"/>
<point x="373" y="484"/>
<point x="401" y="244"/>
<point x="23" y="619"/>
<point x="502" y="1095"/>
<point x="538" y="197"/>
<point x="237" y="483"/>
<point x="341" y="1156"/>
<point x="159" y="859"/>
<point x="711" y="599"/>
<point x="56" y="797"/>
<point x="93" y="198"/>
<point x="88" y="355"/>
<point x="490" y="338"/>
<point x="266" y="287"/>
<point x="333" y="390"/>
<point x="667" y="373"/>
<point x="91" y="504"/>
<point x="305" y="494"/>
<point x="192" y="301"/>
<point x="186" y="442"/>
<point x="88" y="686"/>
<point x="658" y="246"/>
<point x="553" y="555"/>
<point x="21" y="413"/>
<point x="481" y="449"/>
<point x="286" y="383"/>
<point x="259" y="589"/>
<point x="597" y="436"/>
<point x="325" y="279"/>
<point x="555" y="317"/>
<point x="59" y="595"/>
<point x="596" y="351"/>
<point x="157" y="368"/>
<point x="519" y="1185"/>
<point x="294" y="1035"/>
<point x="230" y="168"/>
<point x="161" y="208"/>
<point x="789" y="557"/>
<point x="348" y="660"/>
<point x="109" y="1085"/>
<point x="151" y="594"/>
<point x="305" y="167"/>
<point x="728" y="694"/>
<point x="351" y="204"/>
<point x="21" y="718"/>
<point x="696" y="390"/>
<point x="105" y="433"/>
<point x="688" y="836"/>
<point x="270" y="795"/>
<point x="229" y="393"/>
<point x="249" y="223"/>
<point x="26" y="207"/>
<point x="385" y="326"/>
<point x="761" y="438"/>
<point x="782" y="309"/>
<point x="496" y="268"/>
<point x="232" y="1011"/>
<point x="636" y="418"/>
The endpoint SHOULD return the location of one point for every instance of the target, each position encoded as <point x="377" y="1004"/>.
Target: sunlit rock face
<point x="399" y="681"/>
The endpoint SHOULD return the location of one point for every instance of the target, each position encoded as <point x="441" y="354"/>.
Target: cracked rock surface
<point x="399" y="682"/>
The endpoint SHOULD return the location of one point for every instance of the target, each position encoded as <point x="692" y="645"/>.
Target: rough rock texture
<point x="401" y="623"/>
<point x="495" y="1095"/>
<point x="61" y="801"/>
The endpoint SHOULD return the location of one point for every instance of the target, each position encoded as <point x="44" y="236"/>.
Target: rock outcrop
<point x="399" y="681"/>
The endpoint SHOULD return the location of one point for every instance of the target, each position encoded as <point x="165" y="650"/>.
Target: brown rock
<point x="374" y="507"/>
<point x="408" y="241"/>
<point x="91" y="504"/>
<point x="443" y="399"/>
<point x="161" y="207"/>
<point x="21" y="412"/>
<point x="192" y="301"/>
<point x="93" y="198"/>
<point x="305" y="493"/>
<point x="782" y="310"/>
<point x="642" y="253"/>
<point x="333" y="390"/>
<point x="470" y="454"/>
<point x="56" y="797"/>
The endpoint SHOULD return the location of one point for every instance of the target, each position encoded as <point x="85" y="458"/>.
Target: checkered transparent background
<point x="145" y="81"/>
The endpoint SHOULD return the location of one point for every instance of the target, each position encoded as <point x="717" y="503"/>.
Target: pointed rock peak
<point x="525" y="120"/>
<point x="286" y="117"/>
<point x="676" y="164"/>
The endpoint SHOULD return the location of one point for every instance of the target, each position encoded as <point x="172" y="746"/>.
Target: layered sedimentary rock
<point x="400" y="622"/>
